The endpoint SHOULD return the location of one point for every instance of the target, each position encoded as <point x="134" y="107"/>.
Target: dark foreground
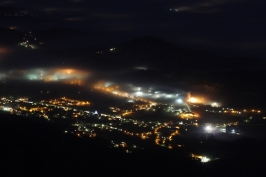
<point x="33" y="148"/>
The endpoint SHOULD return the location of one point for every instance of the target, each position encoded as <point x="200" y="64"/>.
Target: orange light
<point x="193" y="100"/>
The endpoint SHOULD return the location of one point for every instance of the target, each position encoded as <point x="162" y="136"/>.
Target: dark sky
<point x="227" y="27"/>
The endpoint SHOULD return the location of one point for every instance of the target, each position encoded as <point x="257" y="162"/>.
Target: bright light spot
<point x="179" y="101"/>
<point x="208" y="128"/>
<point x="7" y="109"/>
<point x="205" y="159"/>
<point x="215" y="104"/>
<point x="193" y="100"/>
<point x="139" y="93"/>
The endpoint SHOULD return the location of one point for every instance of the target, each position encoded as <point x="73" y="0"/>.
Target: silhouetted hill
<point x="155" y="52"/>
<point x="150" y="44"/>
<point x="147" y="51"/>
<point x="31" y="147"/>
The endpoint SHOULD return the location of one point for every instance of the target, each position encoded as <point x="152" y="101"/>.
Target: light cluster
<point x="50" y="74"/>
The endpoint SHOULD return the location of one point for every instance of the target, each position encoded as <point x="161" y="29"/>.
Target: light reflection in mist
<point x="48" y="74"/>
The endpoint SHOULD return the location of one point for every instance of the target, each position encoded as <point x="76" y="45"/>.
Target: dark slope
<point x="156" y="53"/>
<point x="31" y="147"/>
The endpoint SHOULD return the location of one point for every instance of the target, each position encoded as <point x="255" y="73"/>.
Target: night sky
<point x="225" y="27"/>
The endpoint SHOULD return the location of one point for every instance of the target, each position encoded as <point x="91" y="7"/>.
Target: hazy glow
<point x="55" y="74"/>
<point x="142" y="92"/>
<point x="208" y="128"/>
<point x="49" y="74"/>
<point x="214" y="104"/>
<point x="193" y="100"/>
<point x="2" y="76"/>
<point x="139" y="93"/>
<point x="205" y="159"/>
<point x="179" y="101"/>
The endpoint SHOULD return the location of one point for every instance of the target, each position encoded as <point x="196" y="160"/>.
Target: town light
<point x="193" y="100"/>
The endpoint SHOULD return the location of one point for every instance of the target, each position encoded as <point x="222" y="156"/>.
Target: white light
<point x="169" y="96"/>
<point x="179" y="101"/>
<point x="208" y="128"/>
<point x="205" y="159"/>
<point x="214" y="104"/>
<point x="7" y="109"/>
<point x="139" y="93"/>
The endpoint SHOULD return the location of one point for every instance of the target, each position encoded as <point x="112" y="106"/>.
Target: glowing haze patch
<point x="139" y="93"/>
<point x="205" y="159"/>
<point x="179" y="100"/>
<point x="107" y="84"/>
<point x="2" y="76"/>
<point x="208" y="128"/>
<point x="215" y="104"/>
<point x="193" y="100"/>
<point x="141" y="68"/>
<point x="49" y="74"/>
